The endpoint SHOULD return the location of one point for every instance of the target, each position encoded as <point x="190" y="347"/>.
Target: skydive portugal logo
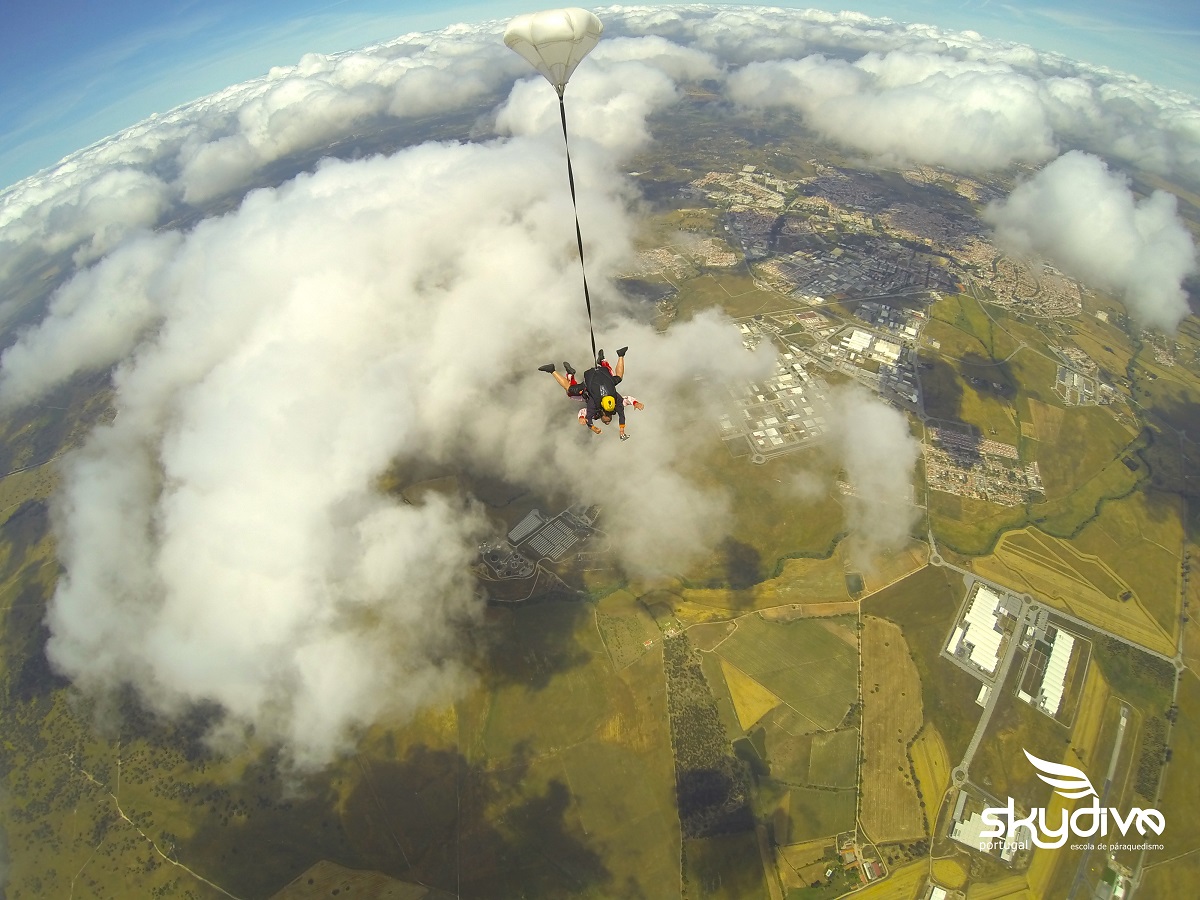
<point x="1001" y="822"/>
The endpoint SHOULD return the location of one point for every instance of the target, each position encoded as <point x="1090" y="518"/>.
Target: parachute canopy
<point x="554" y="41"/>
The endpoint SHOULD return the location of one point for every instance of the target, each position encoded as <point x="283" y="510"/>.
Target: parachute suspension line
<point x="587" y="298"/>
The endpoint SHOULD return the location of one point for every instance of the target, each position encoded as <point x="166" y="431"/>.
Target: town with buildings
<point x="959" y="460"/>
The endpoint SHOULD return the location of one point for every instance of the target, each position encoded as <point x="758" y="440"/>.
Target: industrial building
<point x="1054" y="681"/>
<point x="981" y="631"/>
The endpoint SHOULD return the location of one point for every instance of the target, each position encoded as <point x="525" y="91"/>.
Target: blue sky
<point x="78" y="71"/>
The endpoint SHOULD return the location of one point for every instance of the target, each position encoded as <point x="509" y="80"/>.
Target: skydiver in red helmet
<point x="598" y="392"/>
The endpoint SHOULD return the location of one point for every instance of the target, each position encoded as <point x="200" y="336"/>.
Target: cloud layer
<point x="1085" y="220"/>
<point x="225" y="538"/>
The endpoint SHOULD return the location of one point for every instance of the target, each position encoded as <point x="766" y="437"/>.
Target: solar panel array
<point x="553" y="541"/>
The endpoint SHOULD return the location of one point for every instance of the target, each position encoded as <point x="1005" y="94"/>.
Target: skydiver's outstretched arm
<point x="628" y="401"/>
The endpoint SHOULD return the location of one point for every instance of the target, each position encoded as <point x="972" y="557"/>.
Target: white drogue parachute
<point x="554" y="41"/>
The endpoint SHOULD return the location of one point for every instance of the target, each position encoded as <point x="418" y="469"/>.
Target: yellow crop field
<point x="894" y="566"/>
<point x="1089" y="716"/>
<point x="751" y="701"/>
<point x="891" y="691"/>
<point x="1054" y="571"/>
<point x="932" y="765"/>
<point x="902" y="884"/>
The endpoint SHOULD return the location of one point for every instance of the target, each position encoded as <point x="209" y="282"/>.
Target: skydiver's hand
<point x="638" y="404"/>
<point x="596" y="429"/>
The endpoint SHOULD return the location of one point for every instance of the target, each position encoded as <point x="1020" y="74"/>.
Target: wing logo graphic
<point x="1067" y="781"/>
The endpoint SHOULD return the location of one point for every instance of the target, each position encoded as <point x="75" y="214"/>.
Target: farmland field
<point x="819" y="813"/>
<point x="834" y="759"/>
<point x="891" y="717"/>
<point x="751" y="701"/>
<point x="809" y="668"/>
<point x="1140" y="537"/>
<point x="1081" y="585"/>
<point x="626" y="627"/>
<point x="949" y="873"/>
<point x="727" y="867"/>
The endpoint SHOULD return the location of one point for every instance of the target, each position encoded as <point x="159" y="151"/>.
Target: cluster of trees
<point x="711" y="783"/>
<point x="1150" y="763"/>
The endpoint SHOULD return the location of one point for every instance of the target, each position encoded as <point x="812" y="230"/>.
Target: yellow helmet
<point x="608" y="403"/>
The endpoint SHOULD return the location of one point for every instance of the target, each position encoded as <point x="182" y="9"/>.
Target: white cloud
<point x="224" y="539"/>
<point x="904" y="106"/>
<point x="1002" y="102"/>
<point x="1085" y="220"/>
<point x="879" y="453"/>
<point x="880" y="86"/>
<point x="607" y="103"/>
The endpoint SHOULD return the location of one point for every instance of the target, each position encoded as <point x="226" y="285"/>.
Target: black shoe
<point x="569" y="368"/>
<point x="621" y="352"/>
<point x="548" y="367"/>
<point x="600" y="357"/>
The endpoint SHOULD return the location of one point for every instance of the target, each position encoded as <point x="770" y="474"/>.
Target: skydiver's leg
<point x="620" y="373"/>
<point x="561" y="379"/>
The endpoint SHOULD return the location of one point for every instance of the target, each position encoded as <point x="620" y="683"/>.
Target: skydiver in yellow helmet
<point x="598" y="392"/>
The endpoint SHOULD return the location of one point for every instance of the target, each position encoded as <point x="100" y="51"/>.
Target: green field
<point x="1089" y="440"/>
<point x="733" y="291"/>
<point x="834" y="760"/>
<point x="822" y="759"/>
<point x="818" y="813"/>
<point x="766" y="526"/>
<point x="808" y="667"/>
<point x="1141" y="538"/>
<point x="626" y="626"/>
<point x="728" y="867"/>
<point x="970" y="526"/>
<point x="789" y="755"/>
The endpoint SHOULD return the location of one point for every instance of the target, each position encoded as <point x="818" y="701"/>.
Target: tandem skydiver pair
<point x="598" y="392"/>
